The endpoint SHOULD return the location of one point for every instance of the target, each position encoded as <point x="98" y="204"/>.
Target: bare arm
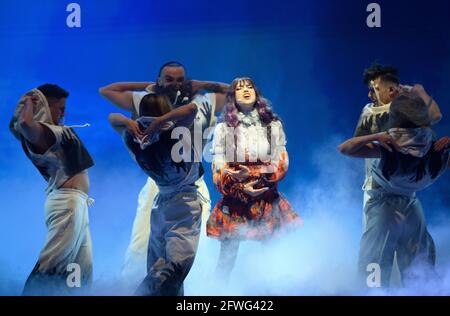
<point x="443" y="144"/>
<point x="220" y="102"/>
<point x="362" y="146"/>
<point x="219" y="88"/>
<point x="183" y="115"/>
<point x="434" y="110"/>
<point x="121" y="93"/>
<point x="120" y="122"/>
<point x="435" y="113"/>
<point x="210" y="86"/>
<point x="34" y="132"/>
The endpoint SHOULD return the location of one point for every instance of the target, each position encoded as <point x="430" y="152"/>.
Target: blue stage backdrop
<point x="307" y="57"/>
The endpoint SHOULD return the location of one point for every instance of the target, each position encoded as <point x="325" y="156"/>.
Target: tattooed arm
<point x="220" y="89"/>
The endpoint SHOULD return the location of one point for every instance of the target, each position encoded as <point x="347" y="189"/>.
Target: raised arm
<point x="362" y="146"/>
<point x="435" y="113"/>
<point x="120" y="122"/>
<point x="210" y="86"/>
<point x="219" y="88"/>
<point x="434" y="110"/>
<point x="443" y="144"/>
<point x="121" y="93"/>
<point x="34" y="132"/>
<point x="181" y="116"/>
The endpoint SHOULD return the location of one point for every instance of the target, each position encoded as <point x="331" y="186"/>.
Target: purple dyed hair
<point x="262" y="105"/>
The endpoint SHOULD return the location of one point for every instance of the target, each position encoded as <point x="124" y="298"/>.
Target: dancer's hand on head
<point x="442" y="144"/>
<point x="28" y="106"/>
<point x="134" y="129"/>
<point x="250" y="190"/>
<point x="151" y="87"/>
<point x="404" y="88"/>
<point x="385" y="140"/>
<point x="31" y="100"/>
<point x="419" y="90"/>
<point x="153" y="128"/>
<point x="241" y="174"/>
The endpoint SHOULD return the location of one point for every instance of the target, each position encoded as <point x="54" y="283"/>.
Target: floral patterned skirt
<point x="264" y="217"/>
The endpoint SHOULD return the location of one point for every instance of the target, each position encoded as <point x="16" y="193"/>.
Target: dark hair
<point x="262" y="105"/>
<point x="154" y="105"/>
<point x="408" y="111"/>
<point x="170" y="64"/>
<point x="396" y="162"/>
<point x="53" y="91"/>
<point x="385" y="73"/>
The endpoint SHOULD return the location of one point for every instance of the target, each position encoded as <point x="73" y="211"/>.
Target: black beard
<point x="170" y="91"/>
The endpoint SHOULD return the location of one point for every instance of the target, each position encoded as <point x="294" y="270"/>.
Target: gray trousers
<point x="134" y="266"/>
<point x="395" y="224"/>
<point x="175" y="230"/>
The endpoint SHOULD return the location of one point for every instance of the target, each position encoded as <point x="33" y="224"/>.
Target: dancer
<point x="172" y="82"/>
<point x="409" y="161"/>
<point x="61" y="158"/>
<point x="176" y="212"/>
<point x="384" y="85"/>
<point x="249" y="159"/>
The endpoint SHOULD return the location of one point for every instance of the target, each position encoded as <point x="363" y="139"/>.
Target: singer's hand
<point x="250" y="190"/>
<point x="241" y="174"/>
